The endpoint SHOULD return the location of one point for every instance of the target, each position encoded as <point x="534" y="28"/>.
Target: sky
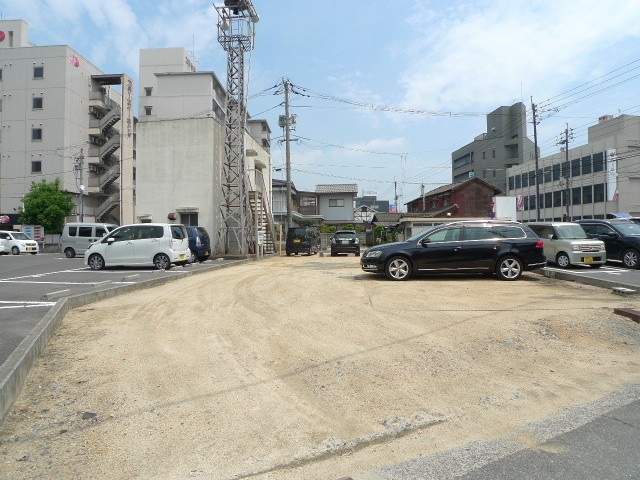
<point x="386" y="90"/>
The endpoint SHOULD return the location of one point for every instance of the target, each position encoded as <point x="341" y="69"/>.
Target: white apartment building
<point x="62" y="117"/>
<point x="180" y="144"/>
<point x="590" y="181"/>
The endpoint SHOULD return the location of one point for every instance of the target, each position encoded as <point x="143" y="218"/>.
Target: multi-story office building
<point x="490" y="154"/>
<point x="180" y="145"/>
<point x="62" y="117"/>
<point x="590" y="181"/>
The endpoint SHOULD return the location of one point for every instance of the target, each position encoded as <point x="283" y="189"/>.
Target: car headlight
<point x="373" y="254"/>
<point x="575" y="248"/>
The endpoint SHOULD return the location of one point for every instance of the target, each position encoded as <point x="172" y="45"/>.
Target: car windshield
<point x="344" y="234"/>
<point x="422" y="233"/>
<point x="570" y="232"/>
<point x="21" y="236"/>
<point x="628" y="228"/>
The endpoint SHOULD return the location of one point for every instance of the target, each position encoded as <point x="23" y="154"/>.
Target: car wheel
<point x="96" y="262"/>
<point x="15" y="250"/>
<point x="288" y="254"/>
<point x="398" y="268"/>
<point x="162" y="262"/>
<point x="562" y="260"/>
<point x="509" y="268"/>
<point x="630" y="258"/>
<point x="203" y="258"/>
<point x="70" y="252"/>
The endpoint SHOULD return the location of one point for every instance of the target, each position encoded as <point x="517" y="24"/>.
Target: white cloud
<point x="481" y="55"/>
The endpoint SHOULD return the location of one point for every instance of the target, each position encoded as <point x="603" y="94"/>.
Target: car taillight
<point x="539" y="244"/>
<point x="198" y="242"/>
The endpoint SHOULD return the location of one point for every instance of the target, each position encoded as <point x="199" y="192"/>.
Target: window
<point x="556" y="171"/>
<point x="557" y="198"/>
<point x="532" y="178"/>
<point x="576" y="196"/>
<point x="511" y="183"/>
<point x="598" y="192"/>
<point x="587" y="194"/>
<point x="36" y="134"/>
<point x="336" y="202"/>
<point x="548" y="200"/>
<point x="586" y="165"/>
<point x="36" y="167"/>
<point x="598" y="162"/>
<point x="101" y="232"/>
<point x="177" y="231"/>
<point x="493" y="153"/>
<point x="518" y="181"/>
<point x="307" y="202"/>
<point x="189" y="219"/>
<point x="540" y="177"/>
<point x="147" y="110"/>
<point x="532" y="202"/>
<point x="462" y="161"/>
<point x="526" y="203"/>
<point x="547" y="174"/>
<point x="525" y="179"/>
<point x="73" y="231"/>
<point x="38" y="72"/>
<point x="37" y="103"/>
<point x="575" y="167"/>
<point x="446" y="235"/>
<point x="565" y="170"/>
<point x="147" y="91"/>
<point x="506" y="231"/>
<point x="124" y="234"/>
<point x="85" y="231"/>
<point x="484" y="155"/>
<point x="0" y="74"/>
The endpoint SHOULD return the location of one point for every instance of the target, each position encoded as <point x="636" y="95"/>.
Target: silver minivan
<point x="567" y="244"/>
<point x="157" y="244"/>
<point x="76" y="237"/>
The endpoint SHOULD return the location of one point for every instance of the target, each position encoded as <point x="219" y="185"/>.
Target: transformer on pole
<point x="236" y="19"/>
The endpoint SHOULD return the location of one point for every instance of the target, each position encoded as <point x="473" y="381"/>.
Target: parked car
<point x="567" y="244"/>
<point x="503" y="248"/>
<point x="18" y="242"/>
<point x="621" y="238"/>
<point x="76" y="237"/>
<point x="158" y="244"/>
<point x="345" y="241"/>
<point x="3" y="248"/>
<point x="301" y="240"/>
<point x="199" y="243"/>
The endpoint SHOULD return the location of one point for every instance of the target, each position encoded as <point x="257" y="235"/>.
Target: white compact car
<point x="17" y="243"/>
<point x="157" y="244"/>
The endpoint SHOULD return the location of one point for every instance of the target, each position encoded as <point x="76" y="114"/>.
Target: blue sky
<point x="462" y="57"/>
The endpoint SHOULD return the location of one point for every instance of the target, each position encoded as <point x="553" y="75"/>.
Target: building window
<point x="532" y="202"/>
<point x="548" y="200"/>
<point x="518" y="181"/>
<point x="147" y="110"/>
<point x="525" y="179"/>
<point x="36" y="134"/>
<point x="0" y="74"/>
<point x="484" y="155"/>
<point x="586" y="165"/>
<point x="189" y="219"/>
<point x="493" y="153"/>
<point x="37" y="103"/>
<point x="511" y="184"/>
<point x="147" y="91"/>
<point x="38" y="72"/>
<point x="598" y="162"/>
<point x="598" y="192"/>
<point x="36" y="167"/>
<point x="307" y="202"/>
<point x="575" y="167"/>
<point x="576" y="196"/>
<point x="547" y="174"/>
<point x="336" y="202"/>
<point x="557" y="198"/>
<point x="587" y="194"/>
<point x="565" y="170"/>
<point x="556" y="171"/>
<point x="540" y="176"/>
<point x="532" y="178"/>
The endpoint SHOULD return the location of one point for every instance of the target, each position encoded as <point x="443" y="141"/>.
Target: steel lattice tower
<point x="235" y="33"/>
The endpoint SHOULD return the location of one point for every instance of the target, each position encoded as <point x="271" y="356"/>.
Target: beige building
<point x="180" y="144"/>
<point x="590" y="181"/>
<point x="62" y="117"/>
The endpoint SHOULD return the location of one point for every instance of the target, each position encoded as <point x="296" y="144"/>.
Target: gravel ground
<point x="309" y="368"/>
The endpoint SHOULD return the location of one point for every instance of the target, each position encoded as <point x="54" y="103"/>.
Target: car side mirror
<point x="612" y="235"/>
<point x="110" y="240"/>
<point x="425" y="241"/>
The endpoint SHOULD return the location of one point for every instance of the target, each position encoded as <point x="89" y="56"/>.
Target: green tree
<point x="46" y="205"/>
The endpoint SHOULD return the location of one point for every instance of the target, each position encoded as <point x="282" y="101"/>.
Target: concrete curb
<point x="13" y="372"/>
<point x="595" y="282"/>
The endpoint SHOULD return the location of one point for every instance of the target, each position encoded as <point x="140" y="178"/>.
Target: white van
<point x="76" y="237"/>
<point x="157" y="244"/>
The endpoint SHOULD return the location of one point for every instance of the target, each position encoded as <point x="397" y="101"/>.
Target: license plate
<point x="207" y="252"/>
<point x="296" y="240"/>
<point x="30" y="248"/>
<point x="588" y="259"/>
<point x="182" y="256"/>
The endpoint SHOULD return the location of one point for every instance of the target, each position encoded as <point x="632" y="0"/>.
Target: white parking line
<point x="47" y="283"/>
<point x="24" y="304"/>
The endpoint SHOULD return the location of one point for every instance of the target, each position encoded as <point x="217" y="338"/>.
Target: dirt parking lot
<point x="309" y="368"/>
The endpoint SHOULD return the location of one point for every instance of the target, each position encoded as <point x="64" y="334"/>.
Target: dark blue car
<point x="199" y="243"/>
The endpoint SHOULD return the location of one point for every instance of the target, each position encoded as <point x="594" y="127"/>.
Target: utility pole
<point x="236" y="20"/>
<point x="287" y="137"/>
<point x="424" y="207"/>
<point x="535" y="154"/>
<point x="79" y="169"/>
<point x="395" y="194"/>
<point x="565" y="141"/>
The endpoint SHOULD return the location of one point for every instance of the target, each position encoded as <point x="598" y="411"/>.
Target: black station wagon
<point x="504" y="248"/>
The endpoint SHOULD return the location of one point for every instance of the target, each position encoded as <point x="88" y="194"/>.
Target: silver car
<point x="567" y="244"/>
